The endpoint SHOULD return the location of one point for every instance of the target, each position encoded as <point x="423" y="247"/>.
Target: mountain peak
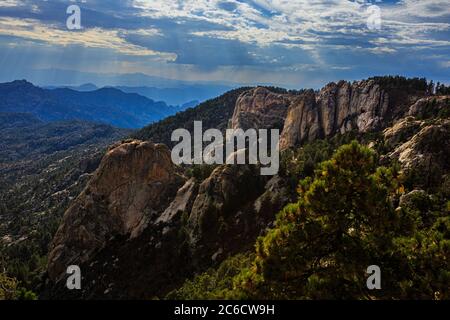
<point x="17" y="83"/>
<point x="107" y="105"/>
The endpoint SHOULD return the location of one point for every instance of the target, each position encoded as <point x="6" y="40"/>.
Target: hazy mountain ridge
<point x="107" y="105"/>
<point x="179" y="96"/>
<point x="182" y="97"/>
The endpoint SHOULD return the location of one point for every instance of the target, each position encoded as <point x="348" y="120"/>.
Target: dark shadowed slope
<point x="43" y="167"/>
<point x="108" y="105"/>
<point x="214" y="113"/>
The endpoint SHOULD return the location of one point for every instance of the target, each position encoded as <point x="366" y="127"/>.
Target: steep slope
<point x="300" y="258"/>
<point x="208" y="219"/>
<point x="362" y="106"/>
<point x="338" y="108"/>
<point x="133" y="182"/>
<point x="260" y="108"/>
<point x="108" y="105"/>
<point x="214" y="113"/>
<point x="182" y="232"/>
<point x="43" y="167"/>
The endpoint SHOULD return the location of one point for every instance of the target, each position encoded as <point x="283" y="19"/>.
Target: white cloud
<point x="277" y="33"/>
<point x="307" y="21"/>
<point x="10" y="3"/>
<point x="30" y="29"/>
<point x="306" y="24"/>
<point x="408" y="9"/>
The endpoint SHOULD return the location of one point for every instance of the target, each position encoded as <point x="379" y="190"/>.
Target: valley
<point x="43" y="167"/>
<point x="141" y="227"/>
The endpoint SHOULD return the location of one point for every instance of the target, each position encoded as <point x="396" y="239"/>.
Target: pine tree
<point x="344" y="222"/>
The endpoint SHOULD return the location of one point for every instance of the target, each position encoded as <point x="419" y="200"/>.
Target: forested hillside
<point x="43" y="167"/>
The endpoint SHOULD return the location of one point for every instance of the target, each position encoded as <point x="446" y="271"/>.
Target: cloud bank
<point x="296" y="43"/>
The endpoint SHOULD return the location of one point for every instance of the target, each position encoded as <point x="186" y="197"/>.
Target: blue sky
<point x="290" y="43"/>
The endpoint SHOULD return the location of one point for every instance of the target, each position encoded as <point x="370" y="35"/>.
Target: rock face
<point x="401" y="131"/>
<point x="429" y="147"/>
<point x="260" y="109"/>
<point x="140" y="229"/>
<point x="302" y="122"/>
<point x="221" y="219"/>
<point x="337" y="108"/>
<point x="138" y="232"/>
<point x="430" y="107"/>
<point x="134" y="181"/>
<point x="182" y="203"/>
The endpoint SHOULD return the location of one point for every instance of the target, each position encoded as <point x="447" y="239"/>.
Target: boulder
<point x="135" y="182"/>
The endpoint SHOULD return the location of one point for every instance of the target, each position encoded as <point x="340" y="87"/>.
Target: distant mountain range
<point x="185" y="96"/>
<point x="173" y="92"/>
<point x="112" y="197"/>
<point x="82" y="88"/>
<point x="57" y="76"/>
<point x="159" y="227"/>
<point x="107" y="105"/>
<point x="26" y="137"/>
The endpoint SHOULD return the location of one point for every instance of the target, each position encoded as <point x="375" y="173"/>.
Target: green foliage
<point x="8" y="287"/>
<point x="347" y="218"/>
<point x="26" y="260"/>
<point x="285" y="91"/>
<point x="442" y="89"/>
<point x="435" y="110"/>
<point x="213" y="284"/>
<point x="297" y="164"/>
<point x="344" y="222"/>
<point x="200" y="172"/>
<point x="214" y="113"/>
<point x="407" y="84"/>
<point x="10" y="290"/>
<point x="26" y="295"/>
<point x="401" y="89"/>
<point x="44" y="167"/>
<point x="321" y="245"/>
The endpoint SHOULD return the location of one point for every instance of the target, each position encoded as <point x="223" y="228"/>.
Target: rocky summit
<point x="134" y="182"/>
<point x="338" y="108"/>
<point x="306" y="116"/>
<point x="142" y="226"/>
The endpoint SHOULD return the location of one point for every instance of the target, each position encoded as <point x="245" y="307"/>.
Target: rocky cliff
<point x="361" y="106"/>
<point x="338" y="108"/>
<point x="135" y="181"/>
<point x="260" y="108"/>
<point x="139" y="229"/>
<point x="142" y="227"/>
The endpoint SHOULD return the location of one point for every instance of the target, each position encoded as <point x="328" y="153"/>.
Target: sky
<point x="288" y="43"/>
